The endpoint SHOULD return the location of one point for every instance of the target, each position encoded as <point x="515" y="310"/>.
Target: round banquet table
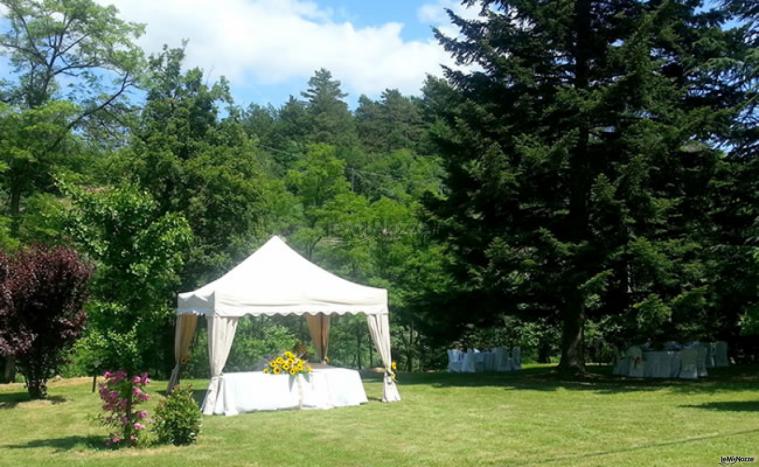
<point x="325" y="388"/>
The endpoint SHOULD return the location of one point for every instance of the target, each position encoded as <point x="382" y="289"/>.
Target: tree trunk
<point x="544" y="351"/>
<point x="14" y="207"/>
<point x="9" y="369"/>
<point x="572" y="355"/>
<point x="37" y="388"/>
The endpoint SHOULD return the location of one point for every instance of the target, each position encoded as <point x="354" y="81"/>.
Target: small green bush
<point x="177" y="418"/>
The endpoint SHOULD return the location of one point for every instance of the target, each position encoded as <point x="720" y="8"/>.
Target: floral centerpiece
<point x="288" y="363"/>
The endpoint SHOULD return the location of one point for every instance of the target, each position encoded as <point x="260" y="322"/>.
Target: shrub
<point x="177" y="418"/>
<point x="120" y="394"/>
<point x="42" y="310"/>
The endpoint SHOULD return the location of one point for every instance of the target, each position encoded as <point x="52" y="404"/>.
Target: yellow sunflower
<point x="280" y="360"/>
<point x="276" y="371"/>
<point x="293" y="372"/>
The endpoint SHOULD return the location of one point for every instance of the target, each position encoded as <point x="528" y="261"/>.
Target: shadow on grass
<point x="11" y="400"/>
<point x="66" y="443"/>
<point x="678" y="442"/>
<point x="727" y="406"/>
<point x="598" y="379"/>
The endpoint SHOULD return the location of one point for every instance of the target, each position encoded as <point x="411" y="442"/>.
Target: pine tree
<point x="330" y="120"/>
<point x="578" y="150"/>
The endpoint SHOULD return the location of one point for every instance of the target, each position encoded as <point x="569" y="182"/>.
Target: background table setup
<point x="325" y="388"/>
<point x="474" y="360"/>
<point x="689" y="361"/>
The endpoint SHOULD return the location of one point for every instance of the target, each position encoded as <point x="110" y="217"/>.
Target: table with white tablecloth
<point x="324" y="388"/>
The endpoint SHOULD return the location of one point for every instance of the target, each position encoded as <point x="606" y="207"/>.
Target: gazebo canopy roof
<point x="275" y="280"/>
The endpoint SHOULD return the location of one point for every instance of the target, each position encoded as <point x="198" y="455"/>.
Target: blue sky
<point x="269" y="48"/>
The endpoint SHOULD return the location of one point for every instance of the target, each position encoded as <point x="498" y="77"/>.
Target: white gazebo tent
<point x="275" y="280"/>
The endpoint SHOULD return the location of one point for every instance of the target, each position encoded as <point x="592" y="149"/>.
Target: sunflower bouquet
<point x="287" y="363"/>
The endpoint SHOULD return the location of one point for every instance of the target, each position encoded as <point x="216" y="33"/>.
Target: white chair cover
<point x="637" y="365"/>
<point x="622" y="366"/>
<point x="658" y="364"/>
<point x="454" y="361"/>
<point x="479" y="361"/>
<point x="688" y="364"/>
<point x="516" y="359"/>
<point x="711" y="351"/>
<point x="720" y="354"/>
<point x="675" y="364"/>
<point x="502" y="359"/>
<point x="490" y="361"/>
<point x="468" y="364"/>
<point x="701" y="349"/>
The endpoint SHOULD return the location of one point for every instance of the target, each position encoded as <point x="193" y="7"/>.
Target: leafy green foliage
<point x="139" y="253"/>
<point x="178" y="419"/>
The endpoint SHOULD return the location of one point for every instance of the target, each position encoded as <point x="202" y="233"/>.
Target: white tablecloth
<point x="325" y="388"/>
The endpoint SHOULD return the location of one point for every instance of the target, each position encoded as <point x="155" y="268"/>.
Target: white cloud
<point x="435" y="14"/>
<point x="272" y="41"/>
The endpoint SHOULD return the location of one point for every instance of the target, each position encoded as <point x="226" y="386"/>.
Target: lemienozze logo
<point x="732" y="460"/>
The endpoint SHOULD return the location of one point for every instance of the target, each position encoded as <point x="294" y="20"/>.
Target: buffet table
<point x="326" y="387"/>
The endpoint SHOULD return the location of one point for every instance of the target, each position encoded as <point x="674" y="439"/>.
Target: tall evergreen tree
<point x="394" y="122"/>
<point x="578" y="150"/>
<point x="330" y="121"/>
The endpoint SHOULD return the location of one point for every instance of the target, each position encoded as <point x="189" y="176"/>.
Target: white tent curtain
<point x="318" y="327"/>
<point x="379" y="328"/>
<point x="221" y="333"/>
<point x="183" y="334"/>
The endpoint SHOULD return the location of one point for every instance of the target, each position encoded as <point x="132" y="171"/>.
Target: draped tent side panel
<point x="184" y="332"/>
<point x="318" y="328"/>
<point x="221" y="333"/>
<point x="379" y="328"/>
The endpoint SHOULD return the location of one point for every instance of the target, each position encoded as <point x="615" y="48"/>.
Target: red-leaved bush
<point x="42" y="295"/>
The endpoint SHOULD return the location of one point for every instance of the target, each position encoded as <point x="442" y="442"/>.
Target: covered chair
<point x="701" y="351"/>
<point x="502" y="359"/>
<point x="637" y="364"/>
<point x="454" y="361"/>
<point x="516" y="358"/>
<point x="688" y="364"/>
<point x="720" y="354"/>
<point x="275" y="280"/>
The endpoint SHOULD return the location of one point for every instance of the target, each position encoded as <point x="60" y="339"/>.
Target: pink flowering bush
<point x="121" y="394"/>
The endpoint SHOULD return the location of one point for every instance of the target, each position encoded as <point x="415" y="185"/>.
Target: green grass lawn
<point x="527" y="418"/>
